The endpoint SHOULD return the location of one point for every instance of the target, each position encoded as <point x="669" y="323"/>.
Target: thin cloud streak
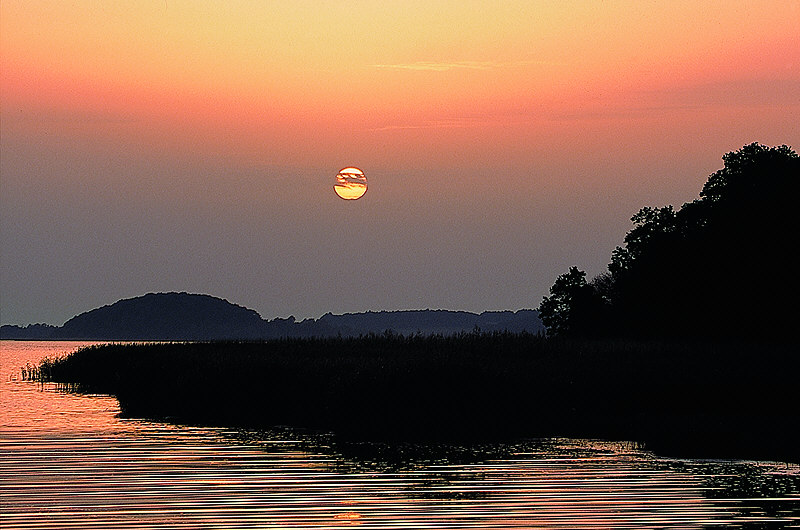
<point x="459" y="123"/>
<point x="436" y="66"/>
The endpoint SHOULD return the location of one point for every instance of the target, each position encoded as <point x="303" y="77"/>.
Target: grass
<point x="704" y="399"/>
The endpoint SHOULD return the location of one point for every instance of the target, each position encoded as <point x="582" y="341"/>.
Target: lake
<point x="69" y="461"/>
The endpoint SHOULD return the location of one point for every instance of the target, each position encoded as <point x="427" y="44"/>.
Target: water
<point x="68" y="461"/>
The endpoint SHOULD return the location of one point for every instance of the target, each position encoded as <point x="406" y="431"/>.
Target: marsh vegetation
<point x="720" y="399"/>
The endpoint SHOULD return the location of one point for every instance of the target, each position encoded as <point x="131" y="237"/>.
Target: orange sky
<point x="248" y="68"/>
<point x="465" y="105"/>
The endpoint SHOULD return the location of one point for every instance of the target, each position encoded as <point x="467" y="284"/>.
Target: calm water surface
<point x="68" y="461"/>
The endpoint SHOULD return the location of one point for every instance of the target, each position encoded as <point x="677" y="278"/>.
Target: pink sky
<point x="157" y="146"/>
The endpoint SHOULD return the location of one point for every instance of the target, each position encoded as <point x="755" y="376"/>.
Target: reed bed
<point x="729" y="397"/>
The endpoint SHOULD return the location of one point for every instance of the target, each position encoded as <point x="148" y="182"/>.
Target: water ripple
<point x="69" y="462"/>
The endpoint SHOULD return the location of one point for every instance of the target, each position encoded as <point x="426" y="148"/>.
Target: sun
<point x="351" y="183"/>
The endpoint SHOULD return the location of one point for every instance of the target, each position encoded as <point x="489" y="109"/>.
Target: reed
<point x="475" y="385"/>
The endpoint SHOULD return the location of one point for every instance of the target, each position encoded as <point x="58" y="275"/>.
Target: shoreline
<point x="705" y="400"/>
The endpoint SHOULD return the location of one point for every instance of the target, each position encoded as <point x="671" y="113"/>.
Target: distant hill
<point x="198" y="317"/>
<point x="29" y="332"/>
<point x="429" y="321"/>
<point x="166" y="316"/>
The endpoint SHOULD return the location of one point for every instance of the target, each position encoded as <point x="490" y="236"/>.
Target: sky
<point x="173" y="145"/>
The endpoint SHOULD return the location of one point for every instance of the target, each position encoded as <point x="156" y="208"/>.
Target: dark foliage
<point x="740" y="398"/>
<point x="719" y="267"/>
<point x="574" y="307"/>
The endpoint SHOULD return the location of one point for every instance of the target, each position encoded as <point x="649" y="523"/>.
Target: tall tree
<point x="723" y="265"/>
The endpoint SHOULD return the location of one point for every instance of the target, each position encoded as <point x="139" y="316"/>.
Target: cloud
<point x="65" y="116"/>
<point x="737" y="93"/>
<point x="438" y="66"/>
<point x="456" y="123"/>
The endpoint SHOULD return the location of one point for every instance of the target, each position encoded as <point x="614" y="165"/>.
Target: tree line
<point x="720" y="267"/>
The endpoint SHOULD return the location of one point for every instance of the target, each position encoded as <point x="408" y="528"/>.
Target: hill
<point x="429" y="322"/>
<point x="166" y="316"/>
<point x="200" y="317"/>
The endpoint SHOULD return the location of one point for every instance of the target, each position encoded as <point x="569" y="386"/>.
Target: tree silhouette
<point x="574" y="307"/>
<point x="721" y="266"/>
